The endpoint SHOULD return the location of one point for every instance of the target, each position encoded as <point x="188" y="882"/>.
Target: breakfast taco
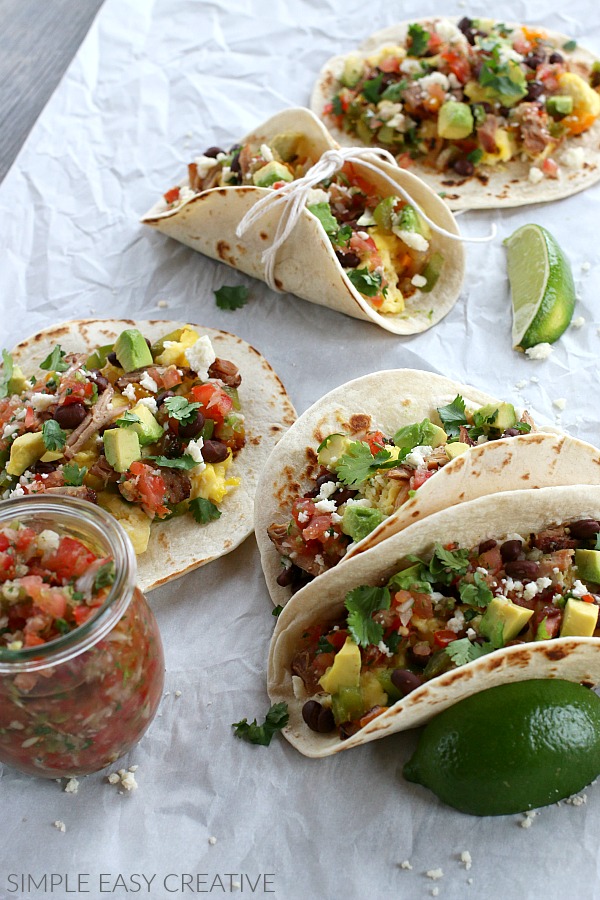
<point x="285" y="201"/>
<point x="503" y="588"/>
<point x="166" y="425"/>
<point x="382" y="451"/>
<point x="489" y="114"/>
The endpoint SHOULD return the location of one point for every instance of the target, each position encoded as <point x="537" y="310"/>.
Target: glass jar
<point x="75" y="704"/>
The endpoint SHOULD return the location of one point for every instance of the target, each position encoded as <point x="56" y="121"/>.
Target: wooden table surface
<point x="38" y="39"/>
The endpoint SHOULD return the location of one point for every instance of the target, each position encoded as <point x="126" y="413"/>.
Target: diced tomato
<point x="423" y="606"/>
<point x="367" y="187"/>
<point x="405" y="160"/>
<point x="82" y="613"/>
<point x="337" y="639"/>
<point x="376" y="441"/>
<point x="33" y="640"/>
<point x="419" y="478"/>
<point x="328" y="109"/>
<point x="491" y="560"/>
<point x="372" y="714"/>
<point x="171" y="195"/>
<point x="29" y="417"/>
<point x="70" y="560"/>
<point x="550" y="168"/>
<point x="588" y="598"/>
<point x="389" y="64"/>
<point x="458" y="65"/>
<point x="278" y="184"/>
<point x="316" y="528"/>
<point x="302" y="508"/>
<point x="24" y="537"/>
<point x="216" y="404"/>
<point x="151" y="487"/>
<point x="322" y="662"/>
<point x="4" y="543"/>
<point x="444" y="637"/>
<point x="50" y="600"/>
<point x="169" y="378"/>
<point x="435" y="41"/>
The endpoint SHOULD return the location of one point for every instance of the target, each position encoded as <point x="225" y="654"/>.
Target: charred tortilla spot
<point x="556" y="653"/>
<point x="482" y="178"/>
<point x="256" y="440"/>
<point x="224" y="252"/>
<point x="525" y="477"/>
<point x="264" y="236"/>
<point x="415" y="514"/>
<point x="312" y="456"/>
<point x="359" y="422"/>
<point x="279" y="284"/>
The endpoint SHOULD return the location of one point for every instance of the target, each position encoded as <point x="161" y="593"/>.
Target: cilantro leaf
<point x="498" y="79"/>
<point x="361" y="603"/>
<point x="412" y="436"/>
<point x="324" y="646"/>
<point x="277" y="611"/>
<point x="419" y="40"/>
<point x="371" y="89"/>
<point x="476" y="594"/>
<point x="73" y="475"/>
<point x="105" y="575"/>
<point x="569" y="46"/>
<point x="453" y="416"/>
<point x="336" y="106"/>
<point x="53" y="436"/>
<point x="355" y="466"/>
<point x="445" y="564"/>
<point x="393" y="92"/>
<point x="62" y="625"/>
<point x="128" y="418"/>
<point x="231" y="297"/>
<point x="464" y="651"/>
<point x="181" y="409"/>
<point x="54" y="361"/>
<point x="276" y="719"/>
<point x="414" y="578"/>
<point x="204" y="511"/>
<point x="323" y="213"/>
<point x="365" y="282"/>
<point x="522" y="427"/>
<point x="182" y="462"/>
<point x="7" y="373"/>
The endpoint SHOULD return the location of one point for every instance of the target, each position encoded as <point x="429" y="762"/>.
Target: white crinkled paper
<point x="154" y="85"/>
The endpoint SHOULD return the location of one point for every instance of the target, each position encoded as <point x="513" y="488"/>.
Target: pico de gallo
<point x="382" y="243"/>
<point x="443" y="612"/>
<point x="365" y="476"/>
<point x="461" y="96"/>
<point x="76" y="715"/>
<point x="147" y="431"/>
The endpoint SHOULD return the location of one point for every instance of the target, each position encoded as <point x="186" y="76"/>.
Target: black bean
<point x="235" y="164"/>
<point x="487" y="107"/>
<point x="70" y="416"/>
<point x="213" y="152"/>
<point x="533" y="60"/>
<point x="510" y="550"/>
<point x="324" y="479"/>
<point x="112" y="359"/>
<point x="214" y="451"/>
<point x="511" y="432"/>
<point x="343" y="495"/>
<point x="160" y="399"/>
<point x="99" y="380"/>
<point x="584" y="528"/>
<point x="535" y="89"/>
<point x="44" y="468"/>
<point x="522" y="569"/>
<point x="486" y="545"/>
<point x="463" y="166"/>
<point x="285" y="577"/>
<point x="555" y="58"/>
<point x="170" y="445"/>
<point x="348" y="260"/>
<point x="406" y="681"/>
<point x="318" y="718"/>
<point x="193" y="427"/>
<point x="149" y="343"/>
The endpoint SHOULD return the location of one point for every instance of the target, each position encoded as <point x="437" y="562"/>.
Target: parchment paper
<point x="155" y="84"/>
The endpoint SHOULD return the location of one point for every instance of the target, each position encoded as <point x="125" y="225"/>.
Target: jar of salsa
<point x="81" y="659"/>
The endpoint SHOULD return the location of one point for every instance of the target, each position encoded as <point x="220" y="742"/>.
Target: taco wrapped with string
<point x="379" y="453"/>
<point x="500" y="589"/>
<point x="285" y="201"/>
<point x="491" y="114"/>
<point x="165" y="425"/>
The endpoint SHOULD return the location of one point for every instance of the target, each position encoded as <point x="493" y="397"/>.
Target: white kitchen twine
<point x="293" y="195"/>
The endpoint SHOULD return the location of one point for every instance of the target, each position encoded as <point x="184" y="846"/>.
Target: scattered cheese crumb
<point x="130" y="393"/>
<point x="559" y="403"/>
<point x="72" y="786"/>
<point x="578" y="800"/>
<point x="521" y="384"/>
<point x="162" y="304"/>
<point x="148" y="383"/>
<point x="586" y="266"/>
<point x="113" y="778"/>
<point x="527" y="822"/>
<point x="534" y="379"/>
<point x="133" y="768"/>
<point x="435" y="891"/>
<point x="178" y="694"/>
<point x="579" y="322"/>
<point x="60" y="826"/>
<point x="434" y="874"/>
<point x="124" y="778"/>
<point x="418" y="281"/>
<point x="405" y="864"/>
<point x="539" y="351"/>
<point x="466" y="858"/>
<point x="212" y="840"/>
<point x="535" y="175"/>
<point x="469" y="881"/>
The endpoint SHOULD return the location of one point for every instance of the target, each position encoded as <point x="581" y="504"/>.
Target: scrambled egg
<point x="507" y="148"/>
<point x="586" y="102"/>
<point x="133" y="519"/>
<point x="174" y="351"/>
<point x="212" y="483"/>
<point x="389" y="248"/>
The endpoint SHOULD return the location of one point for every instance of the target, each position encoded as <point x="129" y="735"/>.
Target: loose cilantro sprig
<point x="54" y="361"/>
<point x="7" y="373"/>
<point x="339" y="237"/>
<point x="358" y="463"/>
<point x="419" y="40"/>
<point x="128" y="418"/>
<point x="182" y="462"/>
<point x="453" y="416"/>
<point x="365" y="282"/>
<point x="361" y="603"/>
<point x="53" y="436"/>
<point x="476" y="594"/>
<point x="276" y="719"/>
<point x="73" y="475"/>
<point x="181" y="409"/>
<point x="371" y="89"/>
<point x="228" y="297"/>
<point x="463" y="651"/>
<point x="204" y="511"/>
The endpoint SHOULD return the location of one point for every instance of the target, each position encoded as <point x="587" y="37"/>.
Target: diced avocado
<point x="588" y="565"/>
<point x="52" y="455"/>
<point x="147" y="429"/>
<point x="560" y="105"/>
<point x="363" y="131"/>
<point x="409" y="220"/>
<point x="159" y="345"/>
<point x="372" y="691"/>
<point x="425" y="434"/>
<point x="456" y="448"/>
<point x="347" y="704"/>
<point x="208" y="429"/>
<point x="122" y="447"/>
<point x="233" y="393"/>
<point x="432" y="272"/>
<point x="25" y="451"/>
<point x="345" y="671"/>
<point x="353" y="69"/>
<point x="405" y="579"/>
<point x="334" y="446"/>
<point x="501" y="611"/>
<point x="387" y="135"/>
<point x="434" y="436"/>
<point x="133" y="519"/>
<point x="272" y="172"/>
<point x="286" y="145"/>
<point x="504" y="415"/>
<point x="580" y="619"/>
<point x="17" y="382"/>
<point x="98" y="359"/>
<point x="132" y="351"/>
<point x="383" y="212"/>
<point x="455" y="120"/>
<point x="385" y="680"/>
<point x="359" y="521"/>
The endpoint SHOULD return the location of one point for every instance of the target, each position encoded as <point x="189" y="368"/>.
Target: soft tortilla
<point x="502" y="185"/>
<point x="180" y="544"/>
<point x="573" y="658"/>
<point x="392" y="399"/>
<point x="306" y="264"/>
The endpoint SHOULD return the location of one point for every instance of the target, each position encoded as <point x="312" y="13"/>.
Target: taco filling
<point x="364" y="477"/>
<point x="440" y="613"/>
<point x="382" y="243"/>
<point x="146" y="431"/>
<point x="459" y="97"/>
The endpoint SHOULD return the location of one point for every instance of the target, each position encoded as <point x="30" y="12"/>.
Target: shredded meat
<point x="99" y="416"/>
<point x="178" y="486"/>
<point x="528" y="420"/>
<point x="301" y="666"/>
<point x="553" y="539"/>
<point x="81" y="491"/>
<point x="486" y="134"/>
<point x="464" y="438"/>
<point x="103" y="470"/>
<point x="533" y="121"/>
<point x="226" y="371"/>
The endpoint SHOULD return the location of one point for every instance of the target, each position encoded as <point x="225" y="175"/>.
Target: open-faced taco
<point x="164" y="424"/>
<point x="489" y="114"/>
<point x="503" y="588"/>
<point x="355" y="234"/>
<point x="382" y="451"/>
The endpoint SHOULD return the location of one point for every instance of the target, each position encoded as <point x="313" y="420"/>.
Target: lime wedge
<point x="541" y="284"/>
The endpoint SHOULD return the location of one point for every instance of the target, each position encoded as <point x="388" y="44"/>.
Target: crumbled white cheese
<point x="560" y="402"/>
<point x="535" y="175"/>
<point x="325" y="506"/>
<point x="60" y="826"/>
<point x="405" y="864"/>
<point x="133" y="768"/>
<point x="148" y="383"/>
<point x="539" y="351"/>
<point x="212" y="840"/>
<point x="363" y="501"/>
<point x="434" y="78"/>
<point x="162" y="304"/>
<point x="579" y="589"/>
<point x="586" y="266"/>
<point x="266" y="153"/>
<point x="507" y="54"/>
<point x="471" y="634"/>
<point x="185" y="194"/>
<point x="530" y="590"/>
<point x="521" y="384"/>
<point x="42" y="401"/>
<point x="383" y="648"/>
<point x="317" y="195"/>
<point x="113" y="778"/>
<point x="48" y="541"/>
<point x="573" y="158"/>
<point x="204" y="164"/>
<point x="129" y="392"/>
<point x="434" y="874"/>
<point x="527" y="822"/>
<point x="17" y="492"/>
<point x="417" y="456"/>
<point x="298" y="688"/>
<point x="303" y="517"/>
<point x="386" y="110"/>
<point x="72" y="786"/>
<point x="128" y="780"/>
<point x="178" y="694"/>
<point x="201" y="356"/>
<point x="578" y="800"/>
<point x="418" y="281"/>
<point x="327" y="489"/>
<point x="149" y="403"/>
<point x="411" y="66"/>
<point x="579" y="322"/>
<point x="448" y="31"/>
<point x="10" y="429"/>
<point x="335" y="517"/>
<point x="366" y="219"/>
<point x="466" y="858"/>
<point x="457" y="622"/>
<point x="453" y="82"/>
<point x="412" y="239"/>
<point x="194" y="449"/>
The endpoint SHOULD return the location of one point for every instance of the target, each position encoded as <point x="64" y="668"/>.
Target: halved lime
<point x="542" y="288"/>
